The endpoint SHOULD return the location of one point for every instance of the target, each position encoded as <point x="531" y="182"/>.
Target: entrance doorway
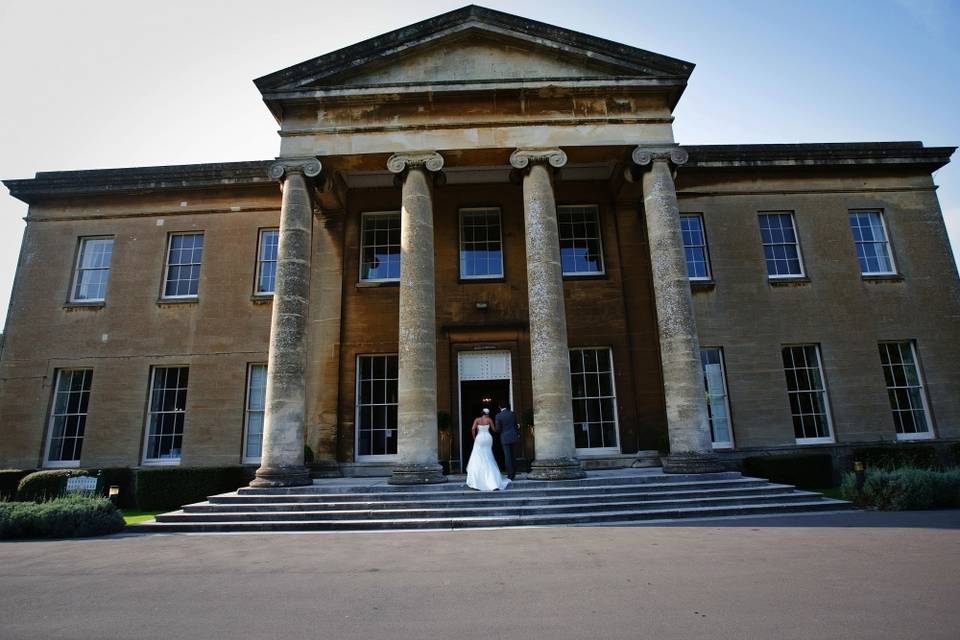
<point x="474" y="397"/>
<point x="484" y="380"/>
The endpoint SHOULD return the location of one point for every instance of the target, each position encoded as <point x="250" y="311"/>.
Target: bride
<point x="483" y="473"/>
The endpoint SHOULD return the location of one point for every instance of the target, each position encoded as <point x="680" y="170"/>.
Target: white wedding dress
<point x="483" y="473"/>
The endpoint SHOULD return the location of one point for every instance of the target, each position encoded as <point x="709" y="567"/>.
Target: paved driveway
<point x="854" y="575"/>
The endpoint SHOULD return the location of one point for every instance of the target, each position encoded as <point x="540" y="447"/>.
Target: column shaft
<point x="555" y="449"/>
<point x="691" y="450"/>
<point x="282" y="453"/>
<point x="417" y="384"/>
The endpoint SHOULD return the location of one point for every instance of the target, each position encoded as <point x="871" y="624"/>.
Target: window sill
<point x="69" y="464"/>
<point x="807" y="442"/>
<point x="161" y="463"/>
<point x="913" y="437"/>
<point x="261" y="299"/>
<point x="702" y="285"/>
<point x="172" y="302"/>
<point x="884" y="277"/>
<point x="573" y="277"/>
<point x="90" y="306"/>
<point x="799" y="281"/>
<point x="490" y="280"/>
<point x="365" y="284"/>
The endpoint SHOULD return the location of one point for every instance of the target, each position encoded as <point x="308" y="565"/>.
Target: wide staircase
<point x="602" y="498"/>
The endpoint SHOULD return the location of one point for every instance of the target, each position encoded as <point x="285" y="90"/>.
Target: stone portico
<point x="476" y="92"/>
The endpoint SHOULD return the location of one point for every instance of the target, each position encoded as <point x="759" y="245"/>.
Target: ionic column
<point x="417" y="383"/>
<point x="691" y="450"/>
<point x="555" y="448"/>
<point x="281" y="462"/>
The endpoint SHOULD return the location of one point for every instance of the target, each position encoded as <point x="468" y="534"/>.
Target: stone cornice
<point x="127" y="181"/>
<point x="429" y="160"/>
<point x="847" y="154"/>
<point x="523" y="158"/>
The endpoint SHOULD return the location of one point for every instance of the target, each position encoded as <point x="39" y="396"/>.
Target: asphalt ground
<point x="850" y="575"/>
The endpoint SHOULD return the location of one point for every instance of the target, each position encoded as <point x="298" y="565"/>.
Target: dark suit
<point x="509" y="437"/>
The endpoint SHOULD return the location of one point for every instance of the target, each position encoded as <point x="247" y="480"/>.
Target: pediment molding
<point x="571" y="55"/>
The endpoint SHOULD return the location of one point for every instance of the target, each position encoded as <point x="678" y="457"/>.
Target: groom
<point x="509" y="435"/>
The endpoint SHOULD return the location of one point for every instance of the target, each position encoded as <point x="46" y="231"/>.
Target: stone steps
<point x="601" y="498"/>
<point x="224" y="504"/>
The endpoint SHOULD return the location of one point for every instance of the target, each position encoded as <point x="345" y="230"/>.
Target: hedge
<point x="122" y="477"/>
<point x="893" y="456"/>
<point x="10" y="480"/>
<point x="72" y="516"/>
<point x="170" y="488"/>
<point x="40" y="486"/>
<point x="806" y="471"/>
<point x="905" y="489"/>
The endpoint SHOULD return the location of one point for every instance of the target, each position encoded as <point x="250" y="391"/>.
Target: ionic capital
<point x="429" y="160"/>
<point x="645" y="156"/>
<point x="522" y="158"/>
<point x="309" y="167"/>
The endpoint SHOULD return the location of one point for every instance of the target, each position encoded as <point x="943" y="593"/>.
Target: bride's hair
<point x="486" y="411"/>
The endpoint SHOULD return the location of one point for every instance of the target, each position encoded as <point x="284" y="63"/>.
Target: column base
<point x="283" y="476"/>
<point x="556" y="469"/>
<point x="417" y="474"/>
<point x="692" y="462"/>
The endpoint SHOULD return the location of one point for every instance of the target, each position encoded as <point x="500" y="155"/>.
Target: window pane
<point x="716" y="389"/>
<point x="377" y="405"/>
<point x="380" y="250"/>
<point x="806" y="392"/>
<point x="904" y="388"/>
<point x="481" y="251"/>
<point x="183" y="265"/>
<point x="694" y="246"/>
<point x="256" y="405"/>
<point x="581" y="250"/>
<point x="267" y="260"/>
<point x="93" y="269"/>
<point x="594" y="399"/>
<point x="780" y="249"/>
<point x="870" y="240"/>
<point x="71" y="396"/>
<point x="168" y="399"/>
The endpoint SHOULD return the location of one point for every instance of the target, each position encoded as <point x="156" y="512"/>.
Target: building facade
<point x="476" y="209"/>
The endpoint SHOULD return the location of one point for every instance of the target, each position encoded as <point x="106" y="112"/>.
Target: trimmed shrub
<point x="121" y="477"/>
<point x="72" y="516"/>
<point x="10" y="480"/>
<point x="171" y="488"/>
<point x="806" y="471"/>
<point x="905" y="489"/>
<point x="45" y="485"/>
<point x="955" y="451"/>
<point x="893" y="456"/>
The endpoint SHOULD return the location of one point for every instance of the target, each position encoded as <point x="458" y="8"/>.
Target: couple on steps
<point x="483" y="474"/>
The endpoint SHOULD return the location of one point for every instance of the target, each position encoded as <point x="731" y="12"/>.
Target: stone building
<point x="473" y="209"/>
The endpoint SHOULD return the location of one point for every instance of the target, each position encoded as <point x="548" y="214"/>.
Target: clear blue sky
<point x="111" y="84"/>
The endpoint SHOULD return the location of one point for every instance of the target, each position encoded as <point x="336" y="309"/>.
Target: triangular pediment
<point x="472" y="45"/>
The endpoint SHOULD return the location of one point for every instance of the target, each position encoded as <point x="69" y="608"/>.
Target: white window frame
<point x="730" y="444"/>
<point x="796" y="235"/>
<point x="588" y="451"/>
<point x="387" y="457"/>
<point x="64" y="464"/>
<point x="603" y="258"/>
<point x="826" y="397"/>
<point x="487" y="276"/>
<point x="257" y="291"/>
<point x="920" y="435"/>
<point x="146" y="431"/>
<point x="247" y="412"/>
<point x="706" y="248"/>
<point x="166" y="266"/>
<point x="77" y="271"/>
<point x="886" y="242"/>
<point x="366" y="215"/>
